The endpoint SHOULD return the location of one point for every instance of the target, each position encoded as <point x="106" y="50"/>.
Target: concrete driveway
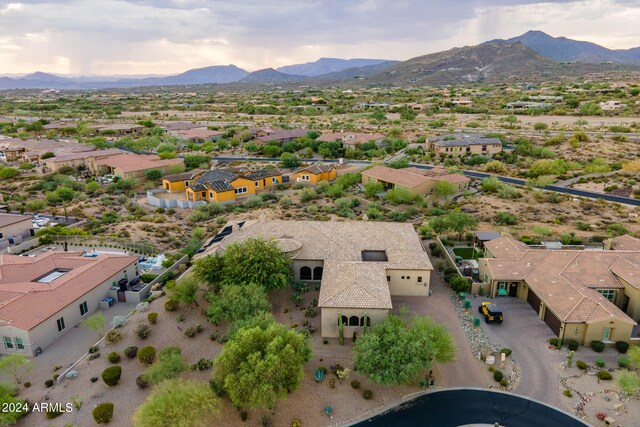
<point x="524" y="333"/>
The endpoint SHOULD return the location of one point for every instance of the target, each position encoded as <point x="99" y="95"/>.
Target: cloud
<point x="170" y="36"/>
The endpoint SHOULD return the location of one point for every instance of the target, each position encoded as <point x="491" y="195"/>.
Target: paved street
<point x="524" y="333"/>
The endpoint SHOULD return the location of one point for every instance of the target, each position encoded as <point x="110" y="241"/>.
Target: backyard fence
<point x="107" y="242"/>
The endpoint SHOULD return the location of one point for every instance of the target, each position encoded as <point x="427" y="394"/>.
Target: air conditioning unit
<point x="298" y="179"/>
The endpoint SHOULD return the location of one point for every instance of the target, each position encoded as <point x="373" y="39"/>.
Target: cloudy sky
<point x="171" y="36"/>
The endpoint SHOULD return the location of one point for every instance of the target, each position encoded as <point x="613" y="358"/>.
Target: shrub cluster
<point x="143" y="331"/>
<point x="367" y="394"/>
<point x="131" y="351"/>
<point x="111" y="375"/>
<point x="152" y="317"/>
<point x="498" y="375"/>
<point x="113" y="336"/>
<point x="603" y="375"/>
<point x="103" y="413"/>
<point x="113" y="357"/>
<point x="597" y="346"/>
<point x="194" y="330"/>
<point x="573" y="345"/>
<point x="622" y="346"/>
<point x="147" y="355"/>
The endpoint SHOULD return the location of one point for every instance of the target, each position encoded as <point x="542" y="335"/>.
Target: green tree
<point x="461" y="222"/>
<point x="235" y="303"/>
<point x="153" y="174"/>
<point x="192" y="161"/>
<point x="178" y="403"/>
<point x="372" y="188"/>
<point x="259" y="366"/>
<point x="96" y="322"/>
<point x="540" y="126"/>
<point x="16" y="365"/>
<point x="92" y="187"/>
<point x="184" y="290"/>
<point x="35" y="205"/>
<point x="444" y="189"/>
<point x="398" y="349"/>
<point x="209" y="269"/>
<point x="8" y="395"/>
<point x="289" y="160"/>
<point x="8" y="173"/>
<point x="408" y="114"/>
<point x="251" y="261"/>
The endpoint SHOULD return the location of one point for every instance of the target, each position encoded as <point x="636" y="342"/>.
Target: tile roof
<point x="25" y="303"/>
<point x="340" y="244"/>
<point x="316" y="168"/>
<point x="279" y="135"/>
<point x="136" y="162"/>
<point x="201" y="132"/>
<point x="465" y="140"/>
<point x="566" y="280"/>
<point x="86" y="155"/>
<point x="350" y="137"/>
<point x="182" y="176"/>
<point x="9" y="219"/>
<point x="625" y="243"/>
<point x="412" y="177"/>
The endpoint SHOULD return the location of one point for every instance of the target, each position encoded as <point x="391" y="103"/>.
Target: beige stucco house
<point x="359" y="265"/>
<point x="465" y="144"/>
<point x="584" y="295"/>
<point x="419" y="181"/>
<point x="43" y="297"/>
<point x="14" y="228"/>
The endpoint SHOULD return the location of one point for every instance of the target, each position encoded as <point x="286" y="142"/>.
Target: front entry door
<point x="606" y="332"/>
<point x="513" y="290"/>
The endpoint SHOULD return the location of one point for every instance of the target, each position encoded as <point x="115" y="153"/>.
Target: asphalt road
<point x="457" y="407"/>
<point x="471" y="174"/>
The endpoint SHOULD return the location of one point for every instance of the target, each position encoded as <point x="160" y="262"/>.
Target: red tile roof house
<point x="131" y="165"/>
<point x="352" y="138"/>
<point x="200" y="135"/>
<point x="282" y="136"/>
<point x="43" y="297"/>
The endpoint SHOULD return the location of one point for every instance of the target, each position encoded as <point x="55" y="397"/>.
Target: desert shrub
<point x="267" y="421"/>
<point x="355" y="384"/>
<point x="244" y="415"/>
<point x="194" y="330"/>
<point x="623" y="362"/>
<point x="497" y="375"/>
<point x="459" y="284"/>
<point x="113" y="336"/>
<point x="93" y="349"/>
<point x="119" y="321"/>
<point x="48" y="383"/>
<point x="573" y="345"/>
<point x="171" y="305"/>
<point x="600" y="362"/>
<point x="581" y="365"/>
<point x="131" y="351"/>
<point x="147" y="355"/>
<point x="111" y="375"/>
<point x="152" y="317"/>
<point x="603" y="375"/>
<point x="54" y="413"/>
<point x="622" y="346"/>
<point x="202" y="365"/>
<point x="142" y="382"/>
<point x="142" y="331"/>
<point x="103" y="413"/>
<point x="553" y="341"/>
<point x="597" y="346"/>
<point x="506" y="351"/>
<point x="504" y="382"/>
<point x="27" y="384"/>
<point x="113" y="357"/>
<point x="567" y="393"/>
<point x="367" y="394"/>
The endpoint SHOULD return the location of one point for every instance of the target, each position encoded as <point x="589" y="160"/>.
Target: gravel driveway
<point x="524" y="333"/>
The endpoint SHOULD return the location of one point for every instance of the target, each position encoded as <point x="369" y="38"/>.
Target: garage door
<point x="533" y="300"/>
<point x="552" y="320"/>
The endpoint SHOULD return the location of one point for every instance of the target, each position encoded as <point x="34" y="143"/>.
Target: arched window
<point x="354" y="321"/>
<point x="365" y="321"/>
<point x="345" y="321"/>
<point x="317" y="273"/>
<point x="305" y="273"/>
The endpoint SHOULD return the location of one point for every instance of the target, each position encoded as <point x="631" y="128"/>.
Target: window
<point x="484" y="148"/>
<point x="19" y="344"/>
<point x="609" y="294"/>
<point x="61" y="326"/>
<point x="576" y="331"/>
<point x="388" y="278"/>
<point x="305" y="178"/>
<point x="317" y="273"/>
<point x="354" y="321"/>
<point x="402" y="277"/>
<point x="83" y="308"/>
<point x="365" y="321"/>
<point x="8" y="343"/>
<point x="241" y="190"/>
<point x="419" y="279"/>
<point x="186" y="183"/>
<point x="256" y="183"/>
<point x="408" y="277"/>
<point x="204" y="194"/>
<point x="274" y="180"/>
<point x="345" y="320"/>
<point x="305" y="273"/>
<point x="211" y="194"/>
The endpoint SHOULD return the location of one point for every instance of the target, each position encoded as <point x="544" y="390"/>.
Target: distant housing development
<point x="465" y="144"/>
<point x="584" y="295"/>
<point x="131" y="165"/>
<point x="419" y="181"/>
<point x="221" y="185"/>
<point x="352" y="138"/>
<point x="360" y="265"/>
<point x="43" y="297"/>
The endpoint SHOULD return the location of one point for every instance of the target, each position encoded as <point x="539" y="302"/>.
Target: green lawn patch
<point x="467" y="253"/>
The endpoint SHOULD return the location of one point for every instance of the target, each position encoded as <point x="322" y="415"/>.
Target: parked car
<point x="491" y="312"/>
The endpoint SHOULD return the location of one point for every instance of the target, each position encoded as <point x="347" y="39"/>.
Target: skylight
<point x="52" y="275"/>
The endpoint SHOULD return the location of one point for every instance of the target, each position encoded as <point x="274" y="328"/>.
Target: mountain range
<point x="530" y="56"/>
<point x="566" y="50"/>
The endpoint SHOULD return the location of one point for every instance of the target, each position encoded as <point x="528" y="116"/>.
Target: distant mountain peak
<point x="329" y="65"/>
